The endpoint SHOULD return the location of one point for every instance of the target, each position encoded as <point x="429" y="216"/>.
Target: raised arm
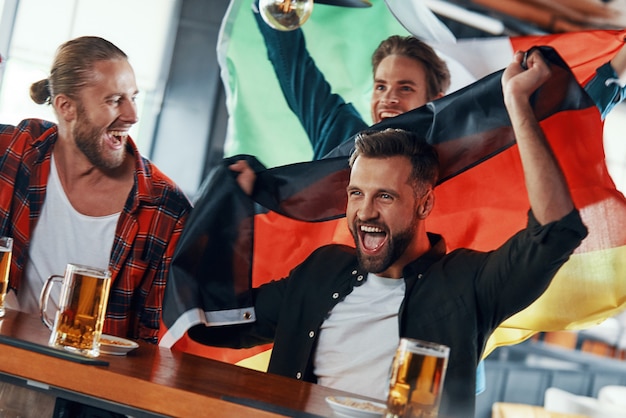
<point x="547" y="188"/>
<point x="327" y="119"/>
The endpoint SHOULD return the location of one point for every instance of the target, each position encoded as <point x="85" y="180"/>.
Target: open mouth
<point x="372" y="238"/>
<point x="116" y="139"/>
<point x="386" y="114"/>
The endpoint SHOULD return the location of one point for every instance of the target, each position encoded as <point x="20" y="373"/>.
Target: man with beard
<point x="80" y="192"/>
<point x="338" y="317"/>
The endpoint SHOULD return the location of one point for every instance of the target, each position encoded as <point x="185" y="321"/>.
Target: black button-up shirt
<point x="456" y="299"/>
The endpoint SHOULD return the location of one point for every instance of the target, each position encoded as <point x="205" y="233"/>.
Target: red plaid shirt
<point x="146" y="234"/>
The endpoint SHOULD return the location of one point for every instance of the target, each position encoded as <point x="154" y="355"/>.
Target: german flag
<point x="232" y="243"/>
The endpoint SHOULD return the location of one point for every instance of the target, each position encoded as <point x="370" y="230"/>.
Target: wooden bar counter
<point x="152" y="381"/>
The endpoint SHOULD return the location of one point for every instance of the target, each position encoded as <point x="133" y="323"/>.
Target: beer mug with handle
<point x="78" y="322"/>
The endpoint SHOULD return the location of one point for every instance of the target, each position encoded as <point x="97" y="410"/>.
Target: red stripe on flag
<point x="583" y="51"/>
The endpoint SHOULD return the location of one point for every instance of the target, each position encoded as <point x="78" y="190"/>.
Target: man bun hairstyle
<point x="72" y="67"/>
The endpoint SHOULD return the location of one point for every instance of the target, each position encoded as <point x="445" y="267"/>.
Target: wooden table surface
<point x="158" y="380"/>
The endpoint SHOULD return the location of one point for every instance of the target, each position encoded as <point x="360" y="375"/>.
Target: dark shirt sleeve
<point x="327" y="119"/>
<point x="267" y="302"/>
<point x="520" y="271"/>
<point x="605" y="89"/>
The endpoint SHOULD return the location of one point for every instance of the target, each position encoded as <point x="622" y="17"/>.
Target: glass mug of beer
<point x="416" y="382"/>
<point x="6" y="248"/>
<point x="82" y="308"/>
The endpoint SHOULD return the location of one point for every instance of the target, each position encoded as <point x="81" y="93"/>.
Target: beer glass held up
<point x="78" y="322"/>
<point x="416" y="382"/>
<point x="6" y="249"/>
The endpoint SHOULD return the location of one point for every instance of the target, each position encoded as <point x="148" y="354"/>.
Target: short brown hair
<point x="437" y="73"/>
<point x="398" y="142"/>
<point x="72" y="66"/>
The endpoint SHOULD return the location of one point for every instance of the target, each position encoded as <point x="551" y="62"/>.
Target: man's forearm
<point x="548" y="193"/>
<point x="547" y="188"/>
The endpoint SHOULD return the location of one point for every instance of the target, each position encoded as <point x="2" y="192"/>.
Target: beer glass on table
<point x="416" y="383"/>
<point x="78" y="322"/>
<point x="6" y="249"/>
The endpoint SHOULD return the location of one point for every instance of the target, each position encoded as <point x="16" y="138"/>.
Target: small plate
<point x="116" y="346"/>
<point x="355" y="408"/>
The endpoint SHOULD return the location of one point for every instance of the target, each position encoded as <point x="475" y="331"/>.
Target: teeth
<point x="388" y="115"/>
<point x="370" y="229"/>
<point x="121" y="134"/>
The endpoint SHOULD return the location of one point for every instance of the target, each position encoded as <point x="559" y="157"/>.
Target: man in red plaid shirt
<point x="80" y="192"/>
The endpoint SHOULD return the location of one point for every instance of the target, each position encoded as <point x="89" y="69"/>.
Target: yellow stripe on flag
<point x="588" y="289"/>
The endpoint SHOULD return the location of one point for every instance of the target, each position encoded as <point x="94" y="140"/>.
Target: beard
<point x="88" y="137"/>
<point x="395" y="247"/>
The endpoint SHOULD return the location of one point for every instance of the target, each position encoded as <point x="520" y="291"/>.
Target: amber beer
<point x="82" y="308"/>
<point x="6" y="249"/>
<point x="416" y="382"/>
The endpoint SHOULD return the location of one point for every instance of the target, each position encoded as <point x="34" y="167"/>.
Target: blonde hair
<point x="72" y="67"/>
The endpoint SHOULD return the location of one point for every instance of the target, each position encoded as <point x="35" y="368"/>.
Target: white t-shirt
<point x="358" y="340"/>
<point x="62" y="235"/>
